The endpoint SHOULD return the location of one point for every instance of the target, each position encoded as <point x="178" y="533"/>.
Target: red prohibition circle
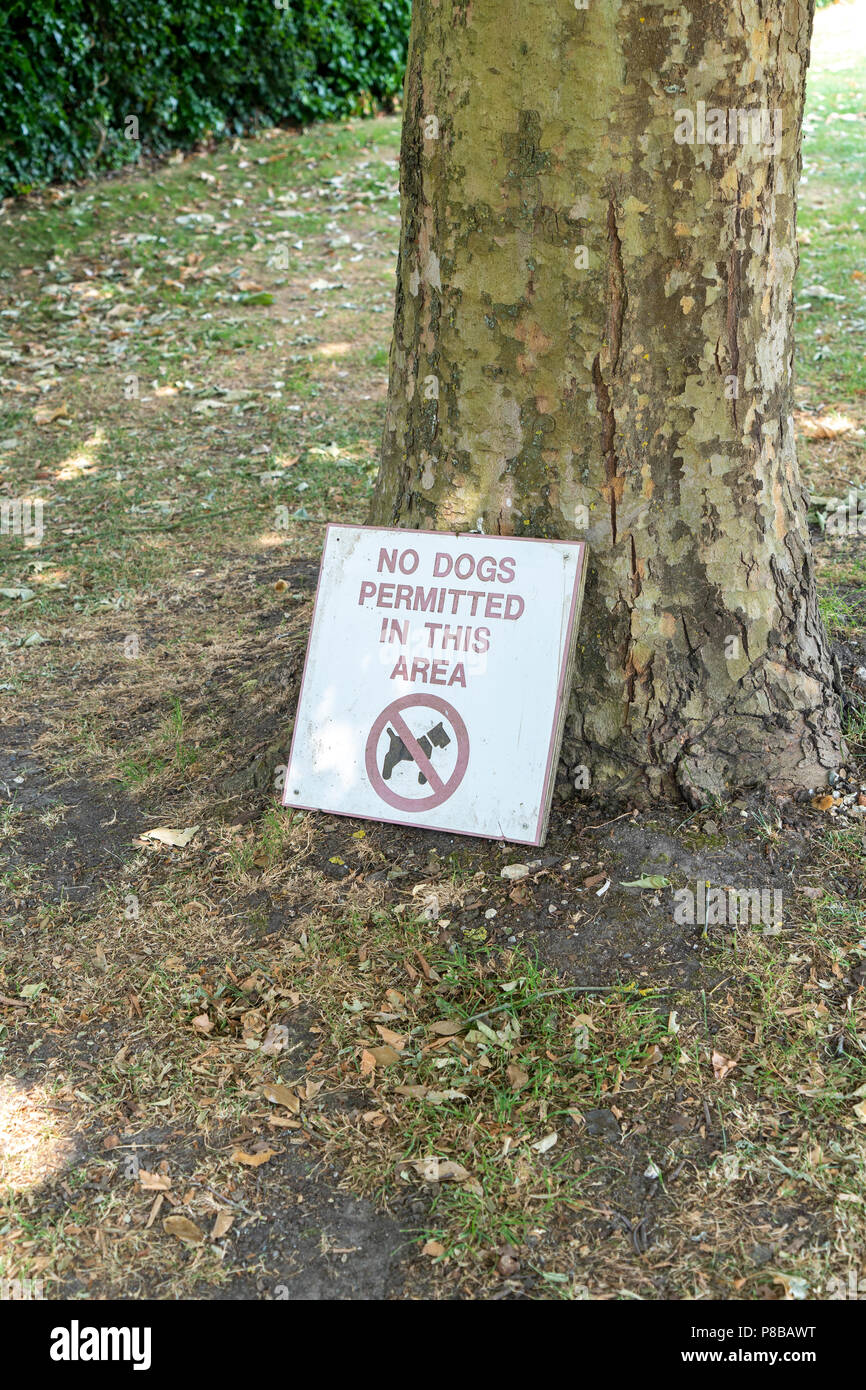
<point x="441" y="790"/>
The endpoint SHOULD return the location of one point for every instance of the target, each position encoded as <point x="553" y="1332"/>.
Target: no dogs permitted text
<point x="491" y="622"/>
<point x="406" y="746"/>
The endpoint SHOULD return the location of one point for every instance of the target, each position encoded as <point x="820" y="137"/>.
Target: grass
<point x="214" y="335"/>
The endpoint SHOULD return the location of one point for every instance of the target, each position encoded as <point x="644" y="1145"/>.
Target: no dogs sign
<point x="435" y="682"/>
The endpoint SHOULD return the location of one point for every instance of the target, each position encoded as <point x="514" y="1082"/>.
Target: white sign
<point x="435" y="682"/>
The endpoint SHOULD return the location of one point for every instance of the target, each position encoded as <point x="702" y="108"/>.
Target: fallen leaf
<point x="860" y="1112"/>
<point x="440" y="1170"/>
<point x="281" y="1095"/>
<point x="722" y="1065"/>
<point x="648" y="881"/>
<point x="166" y="836"/>
<point x="46" y="414"/>
<point x="387" y="1035"/>
<point x="153" y="1182"/>
<point x="275" y="1040"/>
<point x="543" y="1145"/>
<point x="223" y="1221"/>
<point x="155" y="1209"/>
<point x="514" y="871"/>
<point x="517" y="1077"/>
<point x="447" y="1027"/>
<point x="203" y="1024"/>
<point x="183" y="1228"/>
<point x="384" y="1056"/>
<point x="252" y="1160"/>
<point x="831" y="426"/>
<point x="433" y="1249"/>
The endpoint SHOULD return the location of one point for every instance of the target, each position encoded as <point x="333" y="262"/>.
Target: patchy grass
<point x="301" y="1049"/>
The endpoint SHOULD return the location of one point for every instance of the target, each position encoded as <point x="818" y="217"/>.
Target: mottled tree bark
<point x="593" y="338"/>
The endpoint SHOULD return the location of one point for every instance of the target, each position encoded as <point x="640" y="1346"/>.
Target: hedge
<point x="72" y="72"/>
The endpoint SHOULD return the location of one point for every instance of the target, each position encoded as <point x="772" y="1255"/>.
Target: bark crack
<point x="616" y="301"/>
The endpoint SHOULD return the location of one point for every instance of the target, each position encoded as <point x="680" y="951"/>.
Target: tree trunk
<point x="593" y="338"/>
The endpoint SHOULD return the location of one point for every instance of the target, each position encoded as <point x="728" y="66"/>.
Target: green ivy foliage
<point x="73" y="71"/>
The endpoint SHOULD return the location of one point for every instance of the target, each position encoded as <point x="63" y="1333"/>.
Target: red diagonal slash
<point x="414" y="747"/>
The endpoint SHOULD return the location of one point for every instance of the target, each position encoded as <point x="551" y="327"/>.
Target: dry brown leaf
<point x="384" y="1056"/>
<point x="516" y="1075"/>
<point x="546" y="1143"/>
<point x="368" y="1062"/>
<point x="281" y="1095"/>
<point x="183" y="1229"/>
<point x="153" y="1182"/>
<point x="166" y="836"/>
<point x="429" y="973"/>
<point x="203" y="1024"/>
<point x="155" y="1210"/>
<point x="223" y="1221"/>
<point x="722" y="1064"/>
<point x="433" y="1249"/>
<point x="440" y="1170"/>
<point x="831" y="426"/>
<point x="387" y="1035"/>
<point x="252" y="1160"/>
<point x="47" y="414"/>
<point x="447" y="1027"/>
